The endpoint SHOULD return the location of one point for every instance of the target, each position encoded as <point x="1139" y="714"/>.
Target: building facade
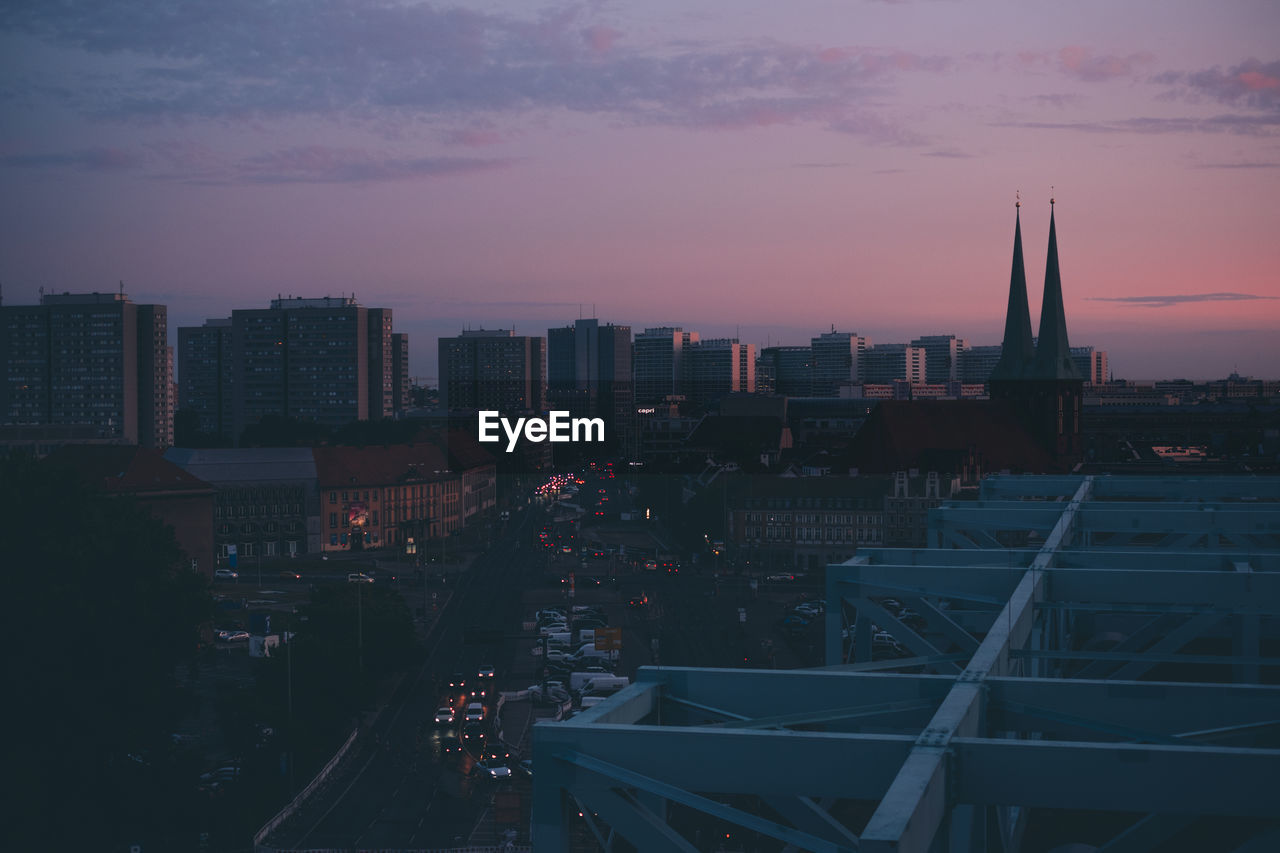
<point x="718" y="366"/>
<point x="96" y="364"/>
<point x="885" y="363"/>
<point x="838" y="359"/>
<point x="792" y="369"/>
<point x="589" y="374"/>
<point x="205" y="369"/>
<point x="942" y="357"/>
<point x="493" y="369"/>
<point x="657" y="363"/>
<point x="400" y="379"/>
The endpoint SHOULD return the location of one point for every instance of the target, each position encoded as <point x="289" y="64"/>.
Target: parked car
<point x="226" y="574"/>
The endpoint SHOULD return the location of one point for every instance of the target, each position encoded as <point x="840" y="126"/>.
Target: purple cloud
<point x="321" y="164"/>
<point x="87" y="159"/>
<point x="387" y="64"/>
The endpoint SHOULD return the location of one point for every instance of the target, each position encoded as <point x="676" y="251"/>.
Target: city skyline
<point x="744" y="170"/>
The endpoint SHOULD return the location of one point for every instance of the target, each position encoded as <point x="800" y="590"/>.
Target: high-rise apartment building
<point x="204" y="367"/>
<point x="306" y="359"/>
<point x="942" y="357"/>
<point x="791" y="369"/>
<point x="94" y="363"/>
<point x="493" y="369"/>
<point x="381" y="365"/>
<point x="328" y="360"/>
<point x="656" y="361"/>
<point x="718" y="366"/>
<point x="399" y="372"/>
<point x="589" y="373"/>
<point x="884" y="363"/>
<point x="837" y="360"/>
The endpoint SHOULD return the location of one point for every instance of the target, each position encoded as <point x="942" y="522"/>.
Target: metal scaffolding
<point x="1095" y="644"/>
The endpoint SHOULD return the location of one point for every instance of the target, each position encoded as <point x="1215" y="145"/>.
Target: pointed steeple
<point x="1053" y="352"/>
<point x="1016" y="351"/>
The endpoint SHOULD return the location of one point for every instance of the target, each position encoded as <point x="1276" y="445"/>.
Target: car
<point x="638" y="602"/>
<point x="566" y="549"/>
<point x="810" y="609"/>
<point x="479" y="693"/>
<point x="492" y="768"/>
<point x="290" y="575"/>
<point x="475" y="712"/>
<point x="359" y="577"/>
<point x="473" y="734"/>
<point x="526" y="767"/>
<point x="650" y="565"/>
<point x="235" y="637"/>
<point x="780" y="577"/>
<point x="226" y="574"/>
<point x="457" y="681"/>
<point x="445" y="716"/>
<point x="485" y="671"/>
<point x="447" y="742"/>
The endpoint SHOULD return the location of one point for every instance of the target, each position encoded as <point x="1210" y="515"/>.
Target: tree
<point x="101" y="611"/>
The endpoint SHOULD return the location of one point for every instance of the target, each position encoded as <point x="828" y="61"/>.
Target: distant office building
<point x="1091" y="364"/>
<point x="399" y="372"/>
<point x="718" y="366"/>
<point x="976" y="363"/>
<point x="942" y="357"/>
<point x="493" y="369"/>
<point x="884" y="363"/>
<point x="656" y="361"/>
<point x="791" y="368"/>
<point x="589" y="373"/>
<point x="90" y="364"/>
<point x="204" y="365"/>
<point x="837" y="360"/>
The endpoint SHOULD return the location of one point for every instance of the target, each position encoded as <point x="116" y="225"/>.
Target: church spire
<point x="1016" y="351"/>
<point x="1053" y="352"/>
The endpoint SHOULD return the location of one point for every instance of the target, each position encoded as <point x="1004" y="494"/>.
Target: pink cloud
<point x="600" y="38"/>
<point x="1256" y="81"/>
<point x="1080" y="62"/>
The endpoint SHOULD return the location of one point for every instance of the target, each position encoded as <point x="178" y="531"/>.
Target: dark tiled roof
<point x="939" y="435"/>
<point x="371" y="466"/>
<point x="464" y="450"/>
<point x="125" y="469"/>
<point x="752" y="434"/>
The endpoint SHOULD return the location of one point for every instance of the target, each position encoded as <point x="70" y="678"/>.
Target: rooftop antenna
<point x="1051" y="194"/>
<point x="1017" y="196"/>
<point x="122" y="287"/>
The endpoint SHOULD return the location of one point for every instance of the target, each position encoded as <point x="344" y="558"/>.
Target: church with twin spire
<point x="1031" y="421"/>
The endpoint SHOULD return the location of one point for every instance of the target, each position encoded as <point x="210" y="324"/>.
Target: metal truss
<point x="1051" y="650"/>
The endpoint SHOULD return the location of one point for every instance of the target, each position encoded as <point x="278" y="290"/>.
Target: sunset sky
<point x="755" y="166"/>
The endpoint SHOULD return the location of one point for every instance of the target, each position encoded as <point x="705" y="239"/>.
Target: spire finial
<point x="1051" y="195"/>
<point x="1017" y="198"/>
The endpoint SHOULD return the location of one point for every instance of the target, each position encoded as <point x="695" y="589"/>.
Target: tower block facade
<point x="1041" y="380"/>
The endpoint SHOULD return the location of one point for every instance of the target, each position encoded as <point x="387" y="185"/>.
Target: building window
<point x="333" y="519"/>
<point x="343" y="539"/>
<point x="271" y="548"/>
<point x="333" y="498"/>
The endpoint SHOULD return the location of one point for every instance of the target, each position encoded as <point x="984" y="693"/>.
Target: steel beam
<point x="597" y="779"/>
<point x="729" y="761"/>
<point x="1165" y="708"/>
<point x="1117" y="777"/>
